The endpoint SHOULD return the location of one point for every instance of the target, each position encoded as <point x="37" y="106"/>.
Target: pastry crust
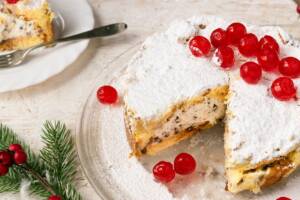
<point x="142" y="135"/>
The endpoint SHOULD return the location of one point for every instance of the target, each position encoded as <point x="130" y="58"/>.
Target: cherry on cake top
<point x="12" y="1"/>
<point x="266" y="50"/>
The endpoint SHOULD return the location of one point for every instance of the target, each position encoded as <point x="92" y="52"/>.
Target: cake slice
<point x="24" y="24"/>
<point x="171" y="94"/>
<point x="262" y="137"/>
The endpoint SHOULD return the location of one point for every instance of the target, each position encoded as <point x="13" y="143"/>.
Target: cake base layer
<point x="254" y="178"/>
<point x="181" y="121"/>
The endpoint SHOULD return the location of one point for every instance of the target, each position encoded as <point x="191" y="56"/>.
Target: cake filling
<point x="13" y="27"/>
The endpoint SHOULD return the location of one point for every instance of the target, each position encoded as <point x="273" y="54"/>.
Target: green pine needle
<point x="56" y="163"/>
<point x="12" y="181"/>
<point x="59" y="157"/>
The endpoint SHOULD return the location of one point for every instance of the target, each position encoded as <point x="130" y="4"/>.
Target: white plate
<point x="104" y="155"/>
<point x="47" y="63"/>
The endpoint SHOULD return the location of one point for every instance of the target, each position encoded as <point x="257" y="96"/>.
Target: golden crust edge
<point x="209" y="93"/>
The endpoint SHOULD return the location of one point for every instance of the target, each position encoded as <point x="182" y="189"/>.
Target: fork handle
<point x="97" y="32"/>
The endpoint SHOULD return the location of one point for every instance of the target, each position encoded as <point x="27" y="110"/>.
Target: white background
<point x="61" y="97"/>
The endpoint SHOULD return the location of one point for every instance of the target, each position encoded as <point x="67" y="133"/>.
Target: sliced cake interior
<point x="24" y="24"/>
<point x="262" y="139"/>
<point x="171" y="94"/>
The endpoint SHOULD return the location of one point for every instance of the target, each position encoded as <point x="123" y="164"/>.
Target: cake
<point x="25" y="23"/>
<point x="171" y="95"/>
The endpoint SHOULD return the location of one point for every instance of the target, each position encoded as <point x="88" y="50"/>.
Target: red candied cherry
<point x="20" y="157"/>
<point x="107" y="94"/>
<point x="225" y="56"/>
<point x="163" y="171"/>
<point x="251" y="72"/>
<point x="268" y="59"/>
<point x="290" y="66"/>
<point x="5" y="158"/>
<point x="268" y="42"/>
<point x="12" y="1"/>
<point x="15" y="147"/>
<point x="248" y="45"/>
<point x="54" y="197"/>
<point x="184" y="164"/>
<point x="283" y="89"/>
<point x="199" y="46"/>
<point x="3" y="169"/>
<point x="235" y="32"/>
<point x="298" y="9"/>
<point x="283" y="198"/>
<point x="219" y="38"/>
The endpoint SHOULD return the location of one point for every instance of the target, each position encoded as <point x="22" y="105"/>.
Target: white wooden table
<point x="61" y="97"/>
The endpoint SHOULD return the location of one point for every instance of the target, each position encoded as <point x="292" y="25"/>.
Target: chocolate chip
<point x="189" y="129"/>
<point x="144" y="151"/>
<point x="195" y="117"/>
<point x="177" y="120"/>
<point x="202" y="26"/>
<point x="157" y="140"/>
<point x="176" y="131"/>
<point x="215" y="107"/>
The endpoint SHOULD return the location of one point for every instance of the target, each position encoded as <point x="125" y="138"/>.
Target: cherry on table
<point x="283" y="89"/>
<point x="163" y="171"/>
<point x="184" y="164"/>
<point x="251" y="72"/>
<point x="283" y="198"/>
<point x="235" y="32"/>
<point x="107" y="94"/>
<point x="290" y="66"/>
<point x="199" y="46"/>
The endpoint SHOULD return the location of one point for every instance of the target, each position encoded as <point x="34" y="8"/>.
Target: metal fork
<point x="17" y="57"/>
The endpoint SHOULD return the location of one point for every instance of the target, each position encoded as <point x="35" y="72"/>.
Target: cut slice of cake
<point x="262" y="137"/>
<point x="171" y="94"/>
<point x="24" y="24"/>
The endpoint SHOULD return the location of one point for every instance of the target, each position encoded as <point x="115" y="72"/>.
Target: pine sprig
<point x="12" y="181"/>
<point x="59" y="157"/>
<point x="56" y="164"/>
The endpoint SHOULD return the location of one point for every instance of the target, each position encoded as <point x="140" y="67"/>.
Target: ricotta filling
<point x="12" y="27"/>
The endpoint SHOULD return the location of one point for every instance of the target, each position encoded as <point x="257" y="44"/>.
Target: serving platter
<point x="105" y="156"/>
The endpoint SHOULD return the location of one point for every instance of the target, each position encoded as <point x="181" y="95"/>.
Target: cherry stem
<point x="37" y="176"/>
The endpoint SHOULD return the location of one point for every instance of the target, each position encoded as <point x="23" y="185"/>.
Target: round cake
<point x="170" y="94"/>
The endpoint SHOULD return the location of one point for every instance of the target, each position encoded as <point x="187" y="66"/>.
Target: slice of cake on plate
<point x="25" y="23"/>
<point x="171" y="94"/>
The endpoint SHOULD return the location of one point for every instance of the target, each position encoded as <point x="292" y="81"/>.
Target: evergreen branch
<point x="15" y="176"/>
<point x="50" y="173"/>
<point x="60" y="158"/>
